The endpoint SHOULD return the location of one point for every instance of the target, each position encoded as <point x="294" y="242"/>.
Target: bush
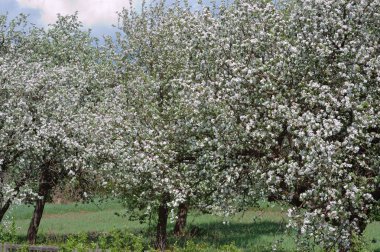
<point x="8" y="232"/>
<point x="114" y="242"/>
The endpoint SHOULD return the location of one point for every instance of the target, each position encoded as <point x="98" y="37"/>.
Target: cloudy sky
<point x="99" y="15"/>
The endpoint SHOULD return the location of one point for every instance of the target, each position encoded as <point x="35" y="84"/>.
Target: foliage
<point x="191" y="246"/>
<point x="359" y="244"/>
<point x="230" y="248"/>
<point x="78" y="242"/>
<point x="8" y="232"/>
<point x="115" y="241"/>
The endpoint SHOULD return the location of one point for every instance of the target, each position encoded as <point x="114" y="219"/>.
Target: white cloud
<point x="90" y="12"/>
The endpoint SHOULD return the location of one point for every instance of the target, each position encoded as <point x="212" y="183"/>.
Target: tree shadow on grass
<point x="243" y="235"/>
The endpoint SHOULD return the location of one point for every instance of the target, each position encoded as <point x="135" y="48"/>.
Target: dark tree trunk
<point x="163" y="212"/>
<point x="35" y="222"/>
<point x="362" y="226"/>
<point x="180" y="223"/>
<point x="4" y="209"/>
<point x="2" y="204"/>
<point x="43" y="192"/>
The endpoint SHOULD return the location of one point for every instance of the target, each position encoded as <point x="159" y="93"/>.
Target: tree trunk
<point x="43" y="191"/>
<point x="4" y="209"/>
<point x="2" y="204"/>
<point x="362" y="226"/>
<point x="163" y="212"/>
<point x="180" y="223"/>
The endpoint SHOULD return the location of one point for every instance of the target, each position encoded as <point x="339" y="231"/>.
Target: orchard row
<point x="210" y="108"/>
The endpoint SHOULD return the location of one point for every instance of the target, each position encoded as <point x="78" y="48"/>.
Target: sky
<point x="98" y="15"/>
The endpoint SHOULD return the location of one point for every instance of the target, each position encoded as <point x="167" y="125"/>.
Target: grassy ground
<point x="254" y="230"/>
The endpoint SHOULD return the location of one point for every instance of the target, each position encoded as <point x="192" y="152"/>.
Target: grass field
<point x="253" y="230"/>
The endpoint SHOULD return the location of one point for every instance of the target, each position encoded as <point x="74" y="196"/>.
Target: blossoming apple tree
<point x="302" y="80"/>
<point x="164" y="128"/>
<point x="49" y="91"/>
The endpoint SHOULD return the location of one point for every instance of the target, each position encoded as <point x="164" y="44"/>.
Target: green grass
<point x="372" y="236"/>
<point x="75" y="218"/>
<point x="253" y="230"/>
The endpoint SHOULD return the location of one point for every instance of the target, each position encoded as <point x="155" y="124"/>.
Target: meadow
<point x="256" y="229"/>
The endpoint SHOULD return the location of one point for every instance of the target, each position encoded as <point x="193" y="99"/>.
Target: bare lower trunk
<point x="181" y="219"/>
<point x="4" y="209"/>
<point x="161" y="237"/>
<point x="43" y="192"/>
<point x="362" y="225"/>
